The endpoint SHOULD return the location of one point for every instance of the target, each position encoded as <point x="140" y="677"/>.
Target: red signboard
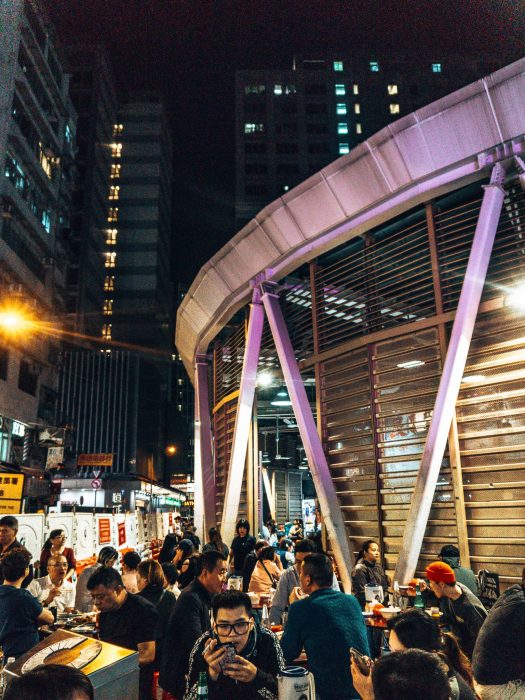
<point x="121" y="534"/>
<point x="170" y="519"/>
<point x="104" y="531"/>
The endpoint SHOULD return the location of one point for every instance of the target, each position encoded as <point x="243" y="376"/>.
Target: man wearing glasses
<point x="54" y="590"/>
<point x="241" y="659"/>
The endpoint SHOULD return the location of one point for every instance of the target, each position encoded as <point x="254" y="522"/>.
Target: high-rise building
<point x="291" y="123"/>
<point x="37" y="134"/>
<point x="92" y="90"/>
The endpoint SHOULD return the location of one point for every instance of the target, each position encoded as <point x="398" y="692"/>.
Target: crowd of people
<point x="178" y="615"/>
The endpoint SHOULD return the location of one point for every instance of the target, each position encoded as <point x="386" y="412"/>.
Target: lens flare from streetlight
<point x="13" y="321"/>
<point x="516" y="298"/>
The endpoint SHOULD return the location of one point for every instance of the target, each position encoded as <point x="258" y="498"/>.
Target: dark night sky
<point x="190" y="49"/>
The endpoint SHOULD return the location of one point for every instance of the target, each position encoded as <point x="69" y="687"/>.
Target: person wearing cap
<point x="462" y="611"/>
<point x="450" y="555"/>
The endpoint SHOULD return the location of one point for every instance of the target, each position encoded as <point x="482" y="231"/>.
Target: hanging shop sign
<point x="55" y="457"/>
<point x="95" y="460"/>
<point x="104" y="530"/>
<point x="11" y="490"/>
<point x="121" y="527"/>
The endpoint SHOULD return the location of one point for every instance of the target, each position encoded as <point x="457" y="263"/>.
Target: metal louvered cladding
<point x="454" y="233"/>
<point x="223" y="427"/>
<point x="228" y="357"/>
<point x="384" y="280"/>
<point x="349" y="444"/>
<point x="406" y="372"/>
<point x="491" y="424"/>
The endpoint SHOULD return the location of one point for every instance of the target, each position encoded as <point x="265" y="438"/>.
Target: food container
<point x="388" y="613"/>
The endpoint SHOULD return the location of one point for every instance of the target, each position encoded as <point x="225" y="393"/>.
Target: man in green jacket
<point x="326" y="624"/>
<point x="450" y="555"/>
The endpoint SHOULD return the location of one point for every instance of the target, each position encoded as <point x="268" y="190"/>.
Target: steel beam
<point x="452" y="374"/>
<point x="205" y="502"/>
<point x="322" y="479"/>
<point x="243" y="418"/>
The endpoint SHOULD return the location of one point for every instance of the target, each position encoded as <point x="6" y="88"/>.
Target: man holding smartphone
<point x="240" y="658"/>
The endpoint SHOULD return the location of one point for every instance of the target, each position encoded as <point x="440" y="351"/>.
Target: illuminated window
<point x="250" y="128"/>
<point x="374" y="66"/>
<point x="113" y="214"/>
<point x="114" y="192"/>
<point x="254" y="89"/>
<point x="340" y="89"/>
<point x="117" y="129"/>
<point x="46" y="161"/>
<point x="357" y="108"/>
<point x="392" y="89"/>
<point x="106" y="331"/>
<point x="436" y="68"/>
<point x="110" y="259"/>
<point x="290" y="90"/>
<point x="277" y="89"/>
<point x="109" y="283"/>
<point x="338" y="66"/>
<point x="111" y="236"/>
<point x="355" y="89"/>
<point x="341" y="108"/>
<point x="116" y="150"/>
<point x="394" y="108"/>
<point x="342" y="128"/>
<point x="108" y="307"/>
<point x="115" y="171"/>
<point x="343" y="148"/>
<point x="358" y="129"/>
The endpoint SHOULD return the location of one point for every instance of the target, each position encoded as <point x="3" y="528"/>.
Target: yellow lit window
<point x="115" y="171"/>
<point x="358" y="129"/>
<point x="117" y="129"/>
<point x="113" y="214"/>
<point x="357" y="108"/>
<point x="109" y="283"/>
<point x="108" y="307"/>
<point x="116" y="150"/>
<point x="110" y="259"/>
<point x="106" y="331"/>
<point x="111" y="236"/>
<point x="114" y="192"/>
<point x="356" y="89"/>
<point x="392" y="89"/>
<point x="394" y="108"/>
<point x="46" y="161"/>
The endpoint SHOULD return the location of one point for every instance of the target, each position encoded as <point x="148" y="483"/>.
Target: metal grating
<point x="227" y="362"/>
<point x="491" y="425"/>
<point x="223" y="427"/>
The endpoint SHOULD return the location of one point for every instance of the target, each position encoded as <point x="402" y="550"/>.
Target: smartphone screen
<point x="361" y="661"/>
<point x="229" y="655"/>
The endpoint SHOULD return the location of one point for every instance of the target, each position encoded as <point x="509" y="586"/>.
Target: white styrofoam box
<point x="151" y="520"/>
<point x="31" y="533"/>
<point x="62" y="521"/>
<point x="85" y="541"/>
<point x="140" y="526"/>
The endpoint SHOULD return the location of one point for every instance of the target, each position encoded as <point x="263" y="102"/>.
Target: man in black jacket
<point x="250" y="562"/>
<point x="498" y="661"/>
<point x="248" y="668"/>
<point x="189" y="620"/>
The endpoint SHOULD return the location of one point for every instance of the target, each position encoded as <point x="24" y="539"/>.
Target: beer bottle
<point x="202" y="689"/>
<point x="418" y="600"/>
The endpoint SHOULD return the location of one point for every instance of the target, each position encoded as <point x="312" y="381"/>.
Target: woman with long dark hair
<point x="55" y="545"/>
<point x="215" y="542"/>
<point x="241" y="545"/>
<point x="185" y="561"/>
<point x="368" y="570"/>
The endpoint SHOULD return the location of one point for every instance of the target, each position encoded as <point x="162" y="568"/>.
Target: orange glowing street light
<point x="171" y="450"/>
<point x="14" y="321"/>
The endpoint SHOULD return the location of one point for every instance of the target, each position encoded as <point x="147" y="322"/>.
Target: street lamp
<point x="14" y="321"/>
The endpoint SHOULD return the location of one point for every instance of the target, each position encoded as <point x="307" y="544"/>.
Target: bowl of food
<point x="388" y="613"/>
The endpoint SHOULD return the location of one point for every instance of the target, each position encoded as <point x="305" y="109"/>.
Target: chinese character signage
<point x="95" y="460"/>
<point x="11" y="491"/>
<point x="121" y="534"/>
<point x="104" y="531"/>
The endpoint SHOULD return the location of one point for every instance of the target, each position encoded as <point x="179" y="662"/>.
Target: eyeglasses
<point x="224" y="629"/>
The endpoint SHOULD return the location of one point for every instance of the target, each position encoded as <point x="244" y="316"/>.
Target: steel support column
<point x="205" y="505"/>
<point x="322" y="479"/>
<point x="243" y="418"/>
<point x="452" y="374"/>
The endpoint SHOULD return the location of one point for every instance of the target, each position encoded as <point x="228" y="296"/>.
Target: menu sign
<point x="104" y="531"/>
<point x="121" y="534"/>
<point x="11" y="491"/>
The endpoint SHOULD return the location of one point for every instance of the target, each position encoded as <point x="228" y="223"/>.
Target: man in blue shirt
<point x="20" y="613"/>
<point x="326" y="624"/>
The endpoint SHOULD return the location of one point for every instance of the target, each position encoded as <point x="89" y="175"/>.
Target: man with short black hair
<point x="406" y="675"/>
<point x="289" y="586"/>
<point x="190" y="619"/>
<point x="20" y="613"/>
<point x="325" y="624"/>
<point x="127" y="620"/>
<point x="50" y="682"/>
<point x="252" y="672"/>
<point x="8" y="541"/>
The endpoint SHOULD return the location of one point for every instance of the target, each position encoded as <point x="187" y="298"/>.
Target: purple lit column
<point x="322" y="479"/>
<point x="450" y="382"/>
<point x="205" y="505"/>
<point x="243" y="418"/>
